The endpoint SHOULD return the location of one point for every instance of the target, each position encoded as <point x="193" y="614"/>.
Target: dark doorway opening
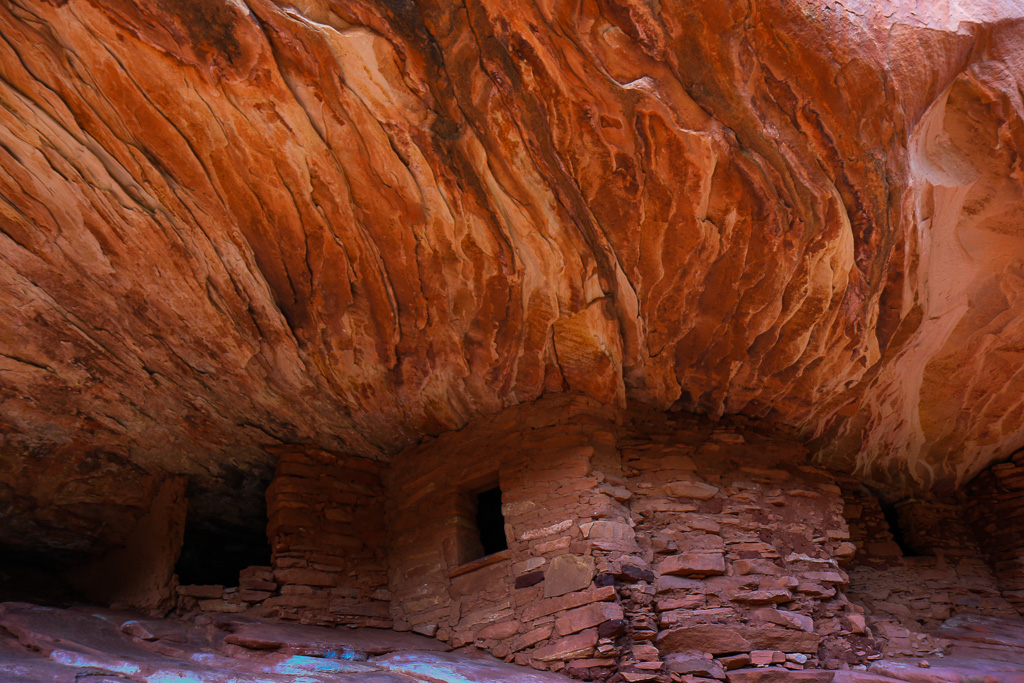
<point x="490" y="521"/>
<point x="899" y="534"/>
<point x="37" y="576"/>
<point x="215" y="555"/>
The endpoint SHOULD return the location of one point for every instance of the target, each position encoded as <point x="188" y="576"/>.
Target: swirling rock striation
<point x="233" y="224"/>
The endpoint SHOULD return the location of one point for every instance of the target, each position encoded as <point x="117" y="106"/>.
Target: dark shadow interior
<point x="899" y="535"/>
<point x="36" y="577"/>
<point x="490" y="522"/>
<point x="215" y="555"/>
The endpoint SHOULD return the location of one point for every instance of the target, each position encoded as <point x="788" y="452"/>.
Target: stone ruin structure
<point x="617" y="340"/>
<point x="568" y="536"/>
<point x="641" y="543"/>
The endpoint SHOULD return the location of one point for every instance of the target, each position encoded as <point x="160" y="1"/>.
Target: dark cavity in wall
<point x="226" y="527"/>
<point x="36" y="577"/>
<point x="899" y="534"/>
<point x="490" y="521"/>
<point x="214" y="555"/>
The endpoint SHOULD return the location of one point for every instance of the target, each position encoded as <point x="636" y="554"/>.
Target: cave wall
<point x="363" y="224"/>
<point x="74" y="505"/>
<point x="359" y="224"/>
<point x="140" y="574"/>
<point x="918" y="567"/>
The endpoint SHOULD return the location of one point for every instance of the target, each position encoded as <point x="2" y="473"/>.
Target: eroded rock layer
<point x="226" y="225"/>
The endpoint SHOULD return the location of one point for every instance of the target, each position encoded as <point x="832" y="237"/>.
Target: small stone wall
<point x="997" y="512"/>
<point x="743" y="539"/>
<point x="538" y="601"/>
<point x="326" y="532"/>
<point x="255" y="586"/>
<point x="658" y="548"/>
<point x="909" y="591"/>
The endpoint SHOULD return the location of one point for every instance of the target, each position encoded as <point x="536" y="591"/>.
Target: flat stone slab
<point x="948" y="670"/>
<point x="52" y="645"/>
<point x="778" y="674"/>
<point x="20" y="666"/>
<point x="322" y="641"/>
<point x="854" y="676"/>
<point x="992" y="631"/>
<point x="459" y="667"/>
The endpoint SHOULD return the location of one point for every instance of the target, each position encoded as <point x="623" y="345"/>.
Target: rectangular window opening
<point x="490" y="522"/>
<point x="480" y="529"/>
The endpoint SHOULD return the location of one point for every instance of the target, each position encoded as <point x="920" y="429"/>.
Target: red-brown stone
<point x="211" y="247"/>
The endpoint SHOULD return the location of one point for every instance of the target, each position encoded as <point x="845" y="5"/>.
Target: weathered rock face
<point x="230" y="225"/>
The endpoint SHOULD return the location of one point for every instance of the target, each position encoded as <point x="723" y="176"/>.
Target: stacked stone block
<point x="255" y="585"/>
<point x="654" y="549"/>
<point x="740" y="539"/>
<point x="326" y="530"/>
<point x="642" y="546"/>
<point x="908" y="595"/>
<point x="997" y="512"/>
<point x="538" y="602"/>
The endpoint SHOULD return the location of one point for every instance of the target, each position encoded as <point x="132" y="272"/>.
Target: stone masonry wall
<point x="325" y="515"/>
<point x="908" y="591"/>
<point x="537" y="602"/>
<point x="657" y="548"/>
<point x="653" y="546"/>
<point x="996" y="511"/>
<point x="326" y="530"/>
<point x="740" y="546"/>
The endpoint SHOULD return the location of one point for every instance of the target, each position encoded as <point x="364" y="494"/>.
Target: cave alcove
<point x="214" y="554"/>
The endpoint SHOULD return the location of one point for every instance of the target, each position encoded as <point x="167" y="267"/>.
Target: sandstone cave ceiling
<point x="227" y="225"/>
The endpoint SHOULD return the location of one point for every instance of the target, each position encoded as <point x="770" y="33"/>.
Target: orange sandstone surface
<point x="228" y="226"/>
